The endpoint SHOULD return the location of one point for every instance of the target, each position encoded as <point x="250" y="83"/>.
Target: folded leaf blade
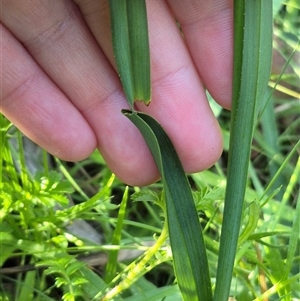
<point x="188" y="248"/>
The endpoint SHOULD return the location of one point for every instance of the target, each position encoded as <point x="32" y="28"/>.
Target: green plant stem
<point x="287" y="194"/>
<point x="135" y="269"/>
<point x="279" y="171"/>
<point x="112" y="262"/>
<point x="24" y="175"/>
<point x="70" y="179"/>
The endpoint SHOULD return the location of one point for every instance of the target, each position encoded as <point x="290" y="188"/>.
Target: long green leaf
<point x="188" y="248"/>
<point x="139" y="47"/>
<point x="252" y="61"/>
<point x="111" y="267"/>
<point x="131" y="47"/>
<point x="294" y="237"/>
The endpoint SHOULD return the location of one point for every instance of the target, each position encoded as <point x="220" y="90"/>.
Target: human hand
<point x="60" y="87"/>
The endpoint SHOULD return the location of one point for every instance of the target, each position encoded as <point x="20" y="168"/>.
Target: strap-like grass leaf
<point x="139" y="47"/>
<point x="252" y="62"/>
<point x="112" y="262"/>
<point x="189" y="254"/>
<point x="131" y="47"/>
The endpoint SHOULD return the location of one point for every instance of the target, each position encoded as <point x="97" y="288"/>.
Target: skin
<point x="61" y="89"/>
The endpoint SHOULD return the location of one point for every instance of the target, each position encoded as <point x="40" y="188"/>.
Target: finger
<point x="208" y="30"/>
<point x="178" y="97"/>
<point x="37" y="107"/>
<point x="58" y="38"/>
<point x="96" y="14"/>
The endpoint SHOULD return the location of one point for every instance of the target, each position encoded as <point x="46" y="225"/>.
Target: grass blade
<point x="139" y="47"/>
<point x="294" y="238"/>
<point x="252" y="50"/>
<point x="188" y="248"/>
<point x="111" y="267"/>
<point x="120" y="37"/>
<point x="131" y="47"/>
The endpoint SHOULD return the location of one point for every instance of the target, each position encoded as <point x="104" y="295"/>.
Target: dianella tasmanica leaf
<point x="131" y="48"/>
<point x="251" y="69"/>
<point x="187" y="244"/>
